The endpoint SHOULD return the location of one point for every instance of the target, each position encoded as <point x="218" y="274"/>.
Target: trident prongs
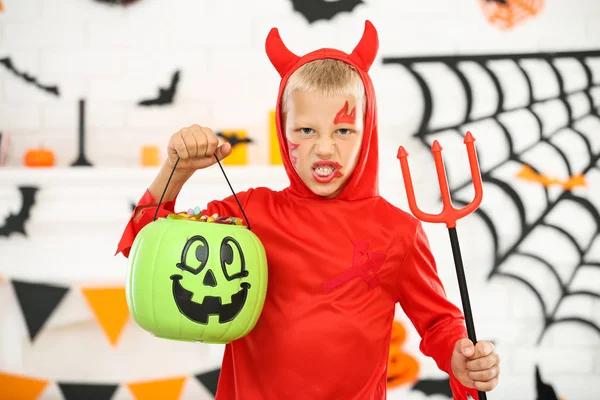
<point x="449" y="215"/>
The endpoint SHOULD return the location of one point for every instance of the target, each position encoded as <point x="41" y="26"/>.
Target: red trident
<point x="449" y="215"/>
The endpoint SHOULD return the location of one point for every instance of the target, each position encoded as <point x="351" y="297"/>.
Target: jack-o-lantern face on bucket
<point x="196" y="281"/>
<point x="233" y="268"/>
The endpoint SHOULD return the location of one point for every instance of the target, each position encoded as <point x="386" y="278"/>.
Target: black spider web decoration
<point x="554" y="126"/>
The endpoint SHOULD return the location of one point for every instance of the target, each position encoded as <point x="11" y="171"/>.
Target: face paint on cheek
<point x="292" y="147"/>
<point x="342" y="117"/>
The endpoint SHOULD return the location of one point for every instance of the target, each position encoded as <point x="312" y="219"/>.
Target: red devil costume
<point x="337" y="268"/>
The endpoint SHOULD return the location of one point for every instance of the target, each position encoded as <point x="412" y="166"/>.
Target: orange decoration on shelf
<point x="402" y="367"/>
<point x="274" y="152"/>
<point x="150" y="156"/>
<point x="506" y="14"/>
<point x="40" y="157"/>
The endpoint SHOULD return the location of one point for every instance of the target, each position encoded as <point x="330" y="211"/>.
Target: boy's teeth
<point x="324" y="171"/>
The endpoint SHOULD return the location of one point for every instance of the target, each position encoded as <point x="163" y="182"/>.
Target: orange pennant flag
<point x="164" y="389"/>
<point x="110" y="308"/>
<point x="17" y="387"/>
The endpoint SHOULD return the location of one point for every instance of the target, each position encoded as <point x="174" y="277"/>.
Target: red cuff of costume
<point x="441" y="347"/>
<point x="146" y="216"/>
<point x="460" y="391"/>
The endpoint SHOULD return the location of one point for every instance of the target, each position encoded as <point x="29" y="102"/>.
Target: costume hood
<point x="363" y="183"/>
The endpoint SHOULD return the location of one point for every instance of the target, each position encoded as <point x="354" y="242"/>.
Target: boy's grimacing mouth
<point x="326" y="171"/>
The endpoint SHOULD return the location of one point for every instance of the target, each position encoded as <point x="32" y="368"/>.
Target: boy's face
<point x="324" y="136"/>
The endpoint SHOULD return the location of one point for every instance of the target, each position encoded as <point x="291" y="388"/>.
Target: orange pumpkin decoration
<point x="402" y="367"/>
<point x="39" y="157"/>
<point x="398" y="333"/>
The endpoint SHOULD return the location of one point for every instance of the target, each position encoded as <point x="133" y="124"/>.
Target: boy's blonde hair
<point x="328" y="76"/>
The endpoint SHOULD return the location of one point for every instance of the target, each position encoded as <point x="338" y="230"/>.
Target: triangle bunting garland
<point x="164" y="389"/>
<point x="20" y="387"/>
<point x="17" y="387"/>
<point x="109" y="306"/>
<point x="76" y="391"/>
<point x="210" y="380"/>
<point x="37" y="301"/>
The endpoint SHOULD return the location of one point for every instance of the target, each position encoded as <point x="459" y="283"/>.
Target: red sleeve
<point x="145" y="217"/>
<point x="440" y="323"/>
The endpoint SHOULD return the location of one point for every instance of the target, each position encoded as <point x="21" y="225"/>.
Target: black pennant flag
<point x="76" y="391"/>
<point x="210" y="380"/>
<point x="37" y="301"/>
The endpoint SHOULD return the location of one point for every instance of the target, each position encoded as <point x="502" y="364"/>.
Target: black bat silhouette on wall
<point x="315" y="10"/>
<point x="544" y="391"/>
<point x="16" y="222"/>
<point x="433" y="386"/>
<point x="165" y="96"/>
<point x="233" y="139"/>
<point x="7" y="62"/>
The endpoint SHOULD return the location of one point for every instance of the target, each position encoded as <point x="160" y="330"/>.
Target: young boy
<point x="344" y="256"/>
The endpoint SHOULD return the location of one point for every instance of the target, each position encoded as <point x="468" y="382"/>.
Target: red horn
<point x="365" y="51"/>
<point x="281" y="57"/>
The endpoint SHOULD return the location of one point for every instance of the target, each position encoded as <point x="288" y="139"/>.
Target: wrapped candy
<point x="195" y="214"/>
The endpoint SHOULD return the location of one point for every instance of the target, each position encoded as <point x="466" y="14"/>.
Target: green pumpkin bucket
<point x="193" y="280"/>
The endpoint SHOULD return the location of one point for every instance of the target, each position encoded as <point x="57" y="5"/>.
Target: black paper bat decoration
<point x="165" y="96"/>
<point x="433" y="386"/>
<point x="16" y="222"/>
<point x="233" y="139"/>
<point x="315" y="10"/>
<point x="7" y="62"/>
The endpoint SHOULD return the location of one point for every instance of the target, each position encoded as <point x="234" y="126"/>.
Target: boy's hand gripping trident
<point x="449" y="216"/>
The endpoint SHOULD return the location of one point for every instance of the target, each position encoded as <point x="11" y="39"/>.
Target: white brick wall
<point x="115" y="57"/>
